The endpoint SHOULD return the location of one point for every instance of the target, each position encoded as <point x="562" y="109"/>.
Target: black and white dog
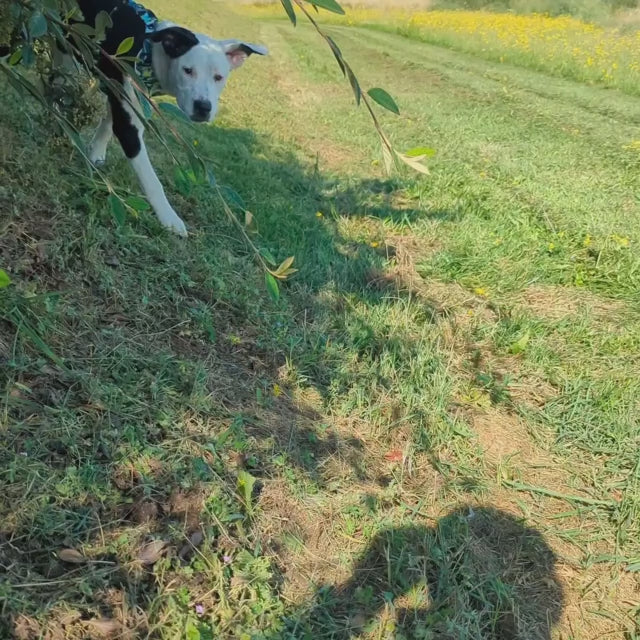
<point x="172" y="60"/>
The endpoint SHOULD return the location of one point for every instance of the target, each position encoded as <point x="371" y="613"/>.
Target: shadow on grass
<point x="479" y="573"/>
<point x="143" y="380"/>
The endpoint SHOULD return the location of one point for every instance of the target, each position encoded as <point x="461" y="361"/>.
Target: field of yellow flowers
<point x="561" y="45"/>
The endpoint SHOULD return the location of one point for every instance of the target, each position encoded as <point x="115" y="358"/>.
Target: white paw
<point x="97" y="157"/>
<point x="172" y="221"/>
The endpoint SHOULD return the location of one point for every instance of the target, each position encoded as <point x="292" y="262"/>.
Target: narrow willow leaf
<point x="284" y="267"/>
<point x="232" y="197"/>
<point x="37" y="25"/>
<point x="288" y="7"/>
<point x="85" y="30"/>
<point x="272" y="287"/>
<point x="336" y="52"/>
<point x="420" y="152"/>
<point x="355" y="85"/>
<point x="103" y="22"/>
<point x="125" y="46"/>
<point x="145" y="105"/>
<point x="329" y="5"/>
<point x="174" y="110"/>
<point x="182" y="181"/>
<point x="117" y="209"/>
<point x="198" y="167"/>
<point x="138" y="204"/>
<point x="28" y="56"/>
<point x="384" y="99"/>
<point x="388" y="159"/>
<point x="414" y="163"/>
<point x="16" y="56"/>
<point x="267" y="255"/>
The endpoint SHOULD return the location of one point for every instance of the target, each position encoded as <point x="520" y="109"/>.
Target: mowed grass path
<point x="440" y="414"/>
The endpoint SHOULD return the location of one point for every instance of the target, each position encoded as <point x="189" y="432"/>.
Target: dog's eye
<point x="188" y="70"/>
<point x="217" y="77"/>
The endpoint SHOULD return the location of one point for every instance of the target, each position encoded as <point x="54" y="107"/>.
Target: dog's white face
<point x="194" y="68"/>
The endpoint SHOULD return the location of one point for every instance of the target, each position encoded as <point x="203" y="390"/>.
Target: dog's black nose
<point x="201" y="109"/>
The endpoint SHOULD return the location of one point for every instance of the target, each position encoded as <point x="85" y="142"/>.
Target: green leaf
<point x="198" y="167"/>
<point x="175" y="111"/>
<point x="16" y="56"/>
<point x="232" y="197"/>
<point x="355" y="85"/>
<point x="336" y="52"/>
<point x="183" y="181"/>
<point x="125" y="46"/>
<point x="5" y="280"/>
<point x="147" y="110"/>
<point x="103" y="22"/>
<point x="37" y="25"/>
<point x="420" y="152"/>
<point x="272" y="286"/>
<point x="329" y="5"/>
<point x="288" y="7"/>
<point x="384" y="99"/>
<point x="268" y="256"/>
<point x="192" y="632"/>
<point x="85" y="30"/>
<point x="520" y="345"/>
<point x="246" y="482"/>
<point x="138" y="204"/>
<point x="28" y="57"/>
<point x="117" y="209"/>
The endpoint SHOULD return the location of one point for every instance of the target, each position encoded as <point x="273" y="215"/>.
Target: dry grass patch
<point x="559" y="303"/>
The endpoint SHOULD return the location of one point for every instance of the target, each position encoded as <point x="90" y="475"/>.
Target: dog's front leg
<point x="129" y="131"/>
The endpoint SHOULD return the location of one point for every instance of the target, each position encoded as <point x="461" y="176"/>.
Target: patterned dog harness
<point x="144" y="65"/>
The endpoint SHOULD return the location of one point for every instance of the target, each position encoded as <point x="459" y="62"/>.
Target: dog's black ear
<point x="176" y="41"/>
<point x="238" y="51"/>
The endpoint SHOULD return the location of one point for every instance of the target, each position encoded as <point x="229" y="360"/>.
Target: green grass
<point x="440" y="412"/>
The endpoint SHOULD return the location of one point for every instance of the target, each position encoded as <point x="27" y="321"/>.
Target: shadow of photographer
<point x="479" y="573"/>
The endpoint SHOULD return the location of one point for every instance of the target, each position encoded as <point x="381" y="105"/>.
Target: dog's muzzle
<point x="201" y="110"/>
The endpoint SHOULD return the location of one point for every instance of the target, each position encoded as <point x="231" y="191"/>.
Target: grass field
<point x="563" y="45"/>
<point x="433" y="433"/>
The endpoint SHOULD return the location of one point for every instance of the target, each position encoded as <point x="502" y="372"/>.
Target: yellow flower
<point x="277" y="391"/>
<point x="621" y="241"/>
<point x="587" y="241"/>
<point x="480" y="291"/>
<point x="374" y="244"/>
<point x="319" y="214"/>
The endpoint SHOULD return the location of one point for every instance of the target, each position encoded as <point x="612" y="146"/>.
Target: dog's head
<point x="194" y="68"/>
